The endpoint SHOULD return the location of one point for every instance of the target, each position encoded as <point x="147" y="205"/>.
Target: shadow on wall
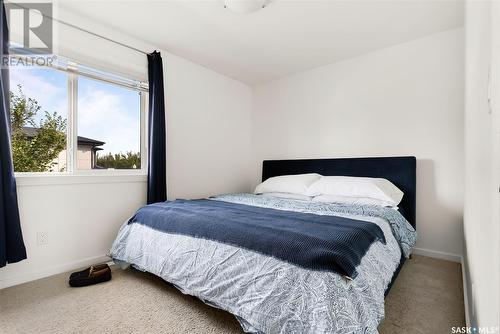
<point x="471" y="311"/>
<point x="435" y="218"/>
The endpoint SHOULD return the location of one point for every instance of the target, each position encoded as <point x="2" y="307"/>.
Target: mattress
<point x="266" y="294"/>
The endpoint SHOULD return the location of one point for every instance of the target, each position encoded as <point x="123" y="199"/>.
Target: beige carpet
<point x="427" y="298"/>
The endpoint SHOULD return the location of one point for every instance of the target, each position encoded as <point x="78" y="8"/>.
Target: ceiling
<point x="285" y="37"/>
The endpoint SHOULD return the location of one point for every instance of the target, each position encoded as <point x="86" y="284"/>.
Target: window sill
<point x="35" y="179"/>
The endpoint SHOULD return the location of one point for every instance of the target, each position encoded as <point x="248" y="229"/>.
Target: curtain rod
<point x="85" y="30"/>
<point x="100" y="36"/>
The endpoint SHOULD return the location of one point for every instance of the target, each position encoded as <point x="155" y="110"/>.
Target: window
<point x="70" y="118"/>
<point x="109" y="120"/>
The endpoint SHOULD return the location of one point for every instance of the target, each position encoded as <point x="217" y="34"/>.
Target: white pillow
<point x="351" y="200"/>
<point x="289" y="196"/>
<point x="358" y="187"/>
<point x="291" y="184"/>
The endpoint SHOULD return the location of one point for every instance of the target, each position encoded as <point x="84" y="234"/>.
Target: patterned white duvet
<point x="268" y="295"/>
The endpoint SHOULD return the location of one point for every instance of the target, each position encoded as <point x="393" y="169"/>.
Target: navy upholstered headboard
<point x="399" y="170"/>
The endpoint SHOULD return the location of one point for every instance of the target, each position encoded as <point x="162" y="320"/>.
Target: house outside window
<point x="87" y="152"/>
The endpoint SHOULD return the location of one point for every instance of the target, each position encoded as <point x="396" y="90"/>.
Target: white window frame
<point x="72" y="173"/>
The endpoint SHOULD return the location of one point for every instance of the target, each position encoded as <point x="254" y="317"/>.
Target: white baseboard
<point x="438" y="255"/>
<point x="54" y="270"/>
<point x="466" y="296"/>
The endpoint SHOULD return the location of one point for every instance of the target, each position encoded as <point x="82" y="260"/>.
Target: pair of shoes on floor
<point x="94" y="274"/>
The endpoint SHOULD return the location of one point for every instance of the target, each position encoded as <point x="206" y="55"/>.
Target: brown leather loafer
<point x="92" y="275"/>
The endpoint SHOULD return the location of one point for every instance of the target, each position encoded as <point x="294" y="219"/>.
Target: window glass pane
<point x="39" y="110"/>
<point x="108" y="126"/>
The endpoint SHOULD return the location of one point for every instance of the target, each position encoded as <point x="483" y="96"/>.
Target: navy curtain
<point x="157" y="165"/>
<point x="11" y="239"/>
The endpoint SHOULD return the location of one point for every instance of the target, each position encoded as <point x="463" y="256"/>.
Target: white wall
<point x="209" y="131"/>
<point x="482" y="138"/>
<point x="402" y="100"/>
<point x="208" y="143"/>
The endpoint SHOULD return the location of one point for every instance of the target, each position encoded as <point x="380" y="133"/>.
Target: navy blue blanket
<point x="312" y="241"/>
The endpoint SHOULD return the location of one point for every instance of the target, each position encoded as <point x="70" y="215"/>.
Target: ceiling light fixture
<point x="244" y="6"/>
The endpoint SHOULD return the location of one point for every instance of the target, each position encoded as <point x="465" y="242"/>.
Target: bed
<point x="268" y="289"/>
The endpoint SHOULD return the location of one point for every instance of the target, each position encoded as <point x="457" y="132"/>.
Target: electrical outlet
<point x="42" y="238"/>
